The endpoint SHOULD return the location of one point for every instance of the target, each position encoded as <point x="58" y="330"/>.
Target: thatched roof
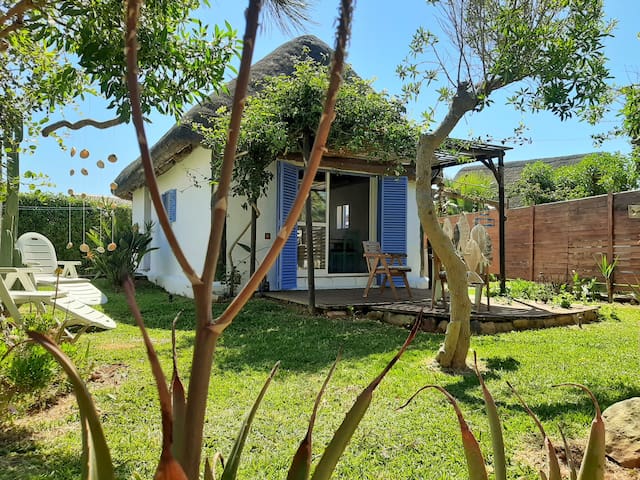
<point x="181" y="139"/>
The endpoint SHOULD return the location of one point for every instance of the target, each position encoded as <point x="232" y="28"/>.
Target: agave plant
<point x="183" y="409"/>
<point x="606" y="269"/>
<point x="120" y="258"/>
<point x="593" y="462"/>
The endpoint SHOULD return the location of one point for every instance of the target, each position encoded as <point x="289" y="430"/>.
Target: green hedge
<point x="50" y="217"/>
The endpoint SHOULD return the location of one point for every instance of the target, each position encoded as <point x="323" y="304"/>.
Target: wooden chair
<point x="388" y="265"/>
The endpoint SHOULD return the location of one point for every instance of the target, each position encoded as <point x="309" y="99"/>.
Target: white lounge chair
<point x="37" y="251"/>
<point x="76" y="312"/>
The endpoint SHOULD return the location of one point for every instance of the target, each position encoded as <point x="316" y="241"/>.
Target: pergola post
<point x="502" y="219"/>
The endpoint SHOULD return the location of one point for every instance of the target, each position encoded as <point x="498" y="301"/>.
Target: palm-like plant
<point x="120" y="258"/>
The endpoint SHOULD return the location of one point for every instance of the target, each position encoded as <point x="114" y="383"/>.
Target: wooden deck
<point x="351" y="297"/>
<point x="502" y="316"/>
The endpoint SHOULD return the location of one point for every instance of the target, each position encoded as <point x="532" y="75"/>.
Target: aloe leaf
<point x="593" y="462"/>
<point x="231" y="469"/>
<point x="341" y="438"/>
<point x="209" y="474"/>
<point x="168" y="467"/>
<point x="567" y="453"/>
<point x="473" y="455"/>
<point x="178" y="400"/>
<point x="301" y="464"/>
<point x="210" y="466"/>
<point x="552" y="458"/>
<point x="497" y="440"/>
<point x="97" y="463"/>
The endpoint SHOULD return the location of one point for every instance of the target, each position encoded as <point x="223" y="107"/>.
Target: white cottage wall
<point x="266" y="229"/>
<point x="413" y="239"/>
<point x="190" y="178"/>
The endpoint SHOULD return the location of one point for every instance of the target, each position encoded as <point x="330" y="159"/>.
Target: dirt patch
<point x="112" y="374"/>
<point x="536" y="458"/>
<point x="114" y="346"/>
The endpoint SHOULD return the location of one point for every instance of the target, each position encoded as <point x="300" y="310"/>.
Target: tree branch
<point x="219" y="202"/>
<point x="18" y="9"/>
<point x="4" y="33"/>
<point x="86" y="122"/>
<point x="131" y="50"/>
<point x="322" y="133"/>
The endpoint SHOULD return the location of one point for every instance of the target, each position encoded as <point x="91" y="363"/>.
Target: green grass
<point x="419" y="442"/>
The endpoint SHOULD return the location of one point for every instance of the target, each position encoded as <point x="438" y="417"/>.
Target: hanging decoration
<point x="100" y="248"/>
<point x="112" y="246"/>
<point x="84" y="248"/>
<point x="69" y="243"/>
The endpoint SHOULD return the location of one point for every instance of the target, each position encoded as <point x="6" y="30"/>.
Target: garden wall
<point x="550" y="241"/>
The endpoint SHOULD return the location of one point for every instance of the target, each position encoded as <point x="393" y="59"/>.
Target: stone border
<point x="436" y="324"/>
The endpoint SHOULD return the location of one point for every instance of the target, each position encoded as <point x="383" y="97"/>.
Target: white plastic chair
<point x="76" y="312"/>
<point x="38" y="252"/>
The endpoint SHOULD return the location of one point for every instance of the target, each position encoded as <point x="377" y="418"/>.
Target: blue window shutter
<point x="287" y="264"/>
<point x="169" y="201"/>
<point x="393" y="217"/>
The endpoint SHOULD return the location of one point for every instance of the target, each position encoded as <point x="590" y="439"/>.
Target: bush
<point x="29" y="375"/>
<point x="31" y="368"/>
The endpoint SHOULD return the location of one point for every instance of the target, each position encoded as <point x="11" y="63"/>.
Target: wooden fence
<point x="549" y="242"/>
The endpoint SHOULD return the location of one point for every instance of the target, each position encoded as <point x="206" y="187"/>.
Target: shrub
<point x="30" y="368"/>
<point x="122" y="256"/>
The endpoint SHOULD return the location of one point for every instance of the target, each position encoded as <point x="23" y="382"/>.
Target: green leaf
<point x="475" y="461"/>
<point x="343" y="435"/>
<point x="552" y="458"/>
<point x="497" y="440"/>
<point x="301" y="464"/>
<point x="231" y="469"/>
<point x="96" y="457"/>
<point x="593" y="462"/>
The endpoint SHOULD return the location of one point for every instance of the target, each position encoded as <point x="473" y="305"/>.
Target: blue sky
<point x="379" y="42"/>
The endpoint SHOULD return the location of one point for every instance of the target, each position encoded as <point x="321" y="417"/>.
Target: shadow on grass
<point x="467" y="389"/>
<point x="266" y="332"/>
<point x="158" y="307"/>
<point x="606" y="396"/>
<point x="21" y="457"/>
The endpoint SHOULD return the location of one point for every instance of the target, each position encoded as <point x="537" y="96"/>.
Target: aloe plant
<point x="183" y="410"/>
<point x="607" y="269"/>
<point x="593" y="462"/>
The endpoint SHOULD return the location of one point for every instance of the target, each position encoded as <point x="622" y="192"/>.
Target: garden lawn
<point x="418" y="442"/>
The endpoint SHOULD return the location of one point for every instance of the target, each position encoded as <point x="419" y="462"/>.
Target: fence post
<point x="501" y="222"/>
<point x="532" y="240"/>
<point x="610" y="228"/>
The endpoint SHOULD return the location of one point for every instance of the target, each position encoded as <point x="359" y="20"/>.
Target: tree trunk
<point x="453" y="352"/>
<point x="252" y="255"/>
<point x="9" y="227"/>
<point x="311" y="278"/>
